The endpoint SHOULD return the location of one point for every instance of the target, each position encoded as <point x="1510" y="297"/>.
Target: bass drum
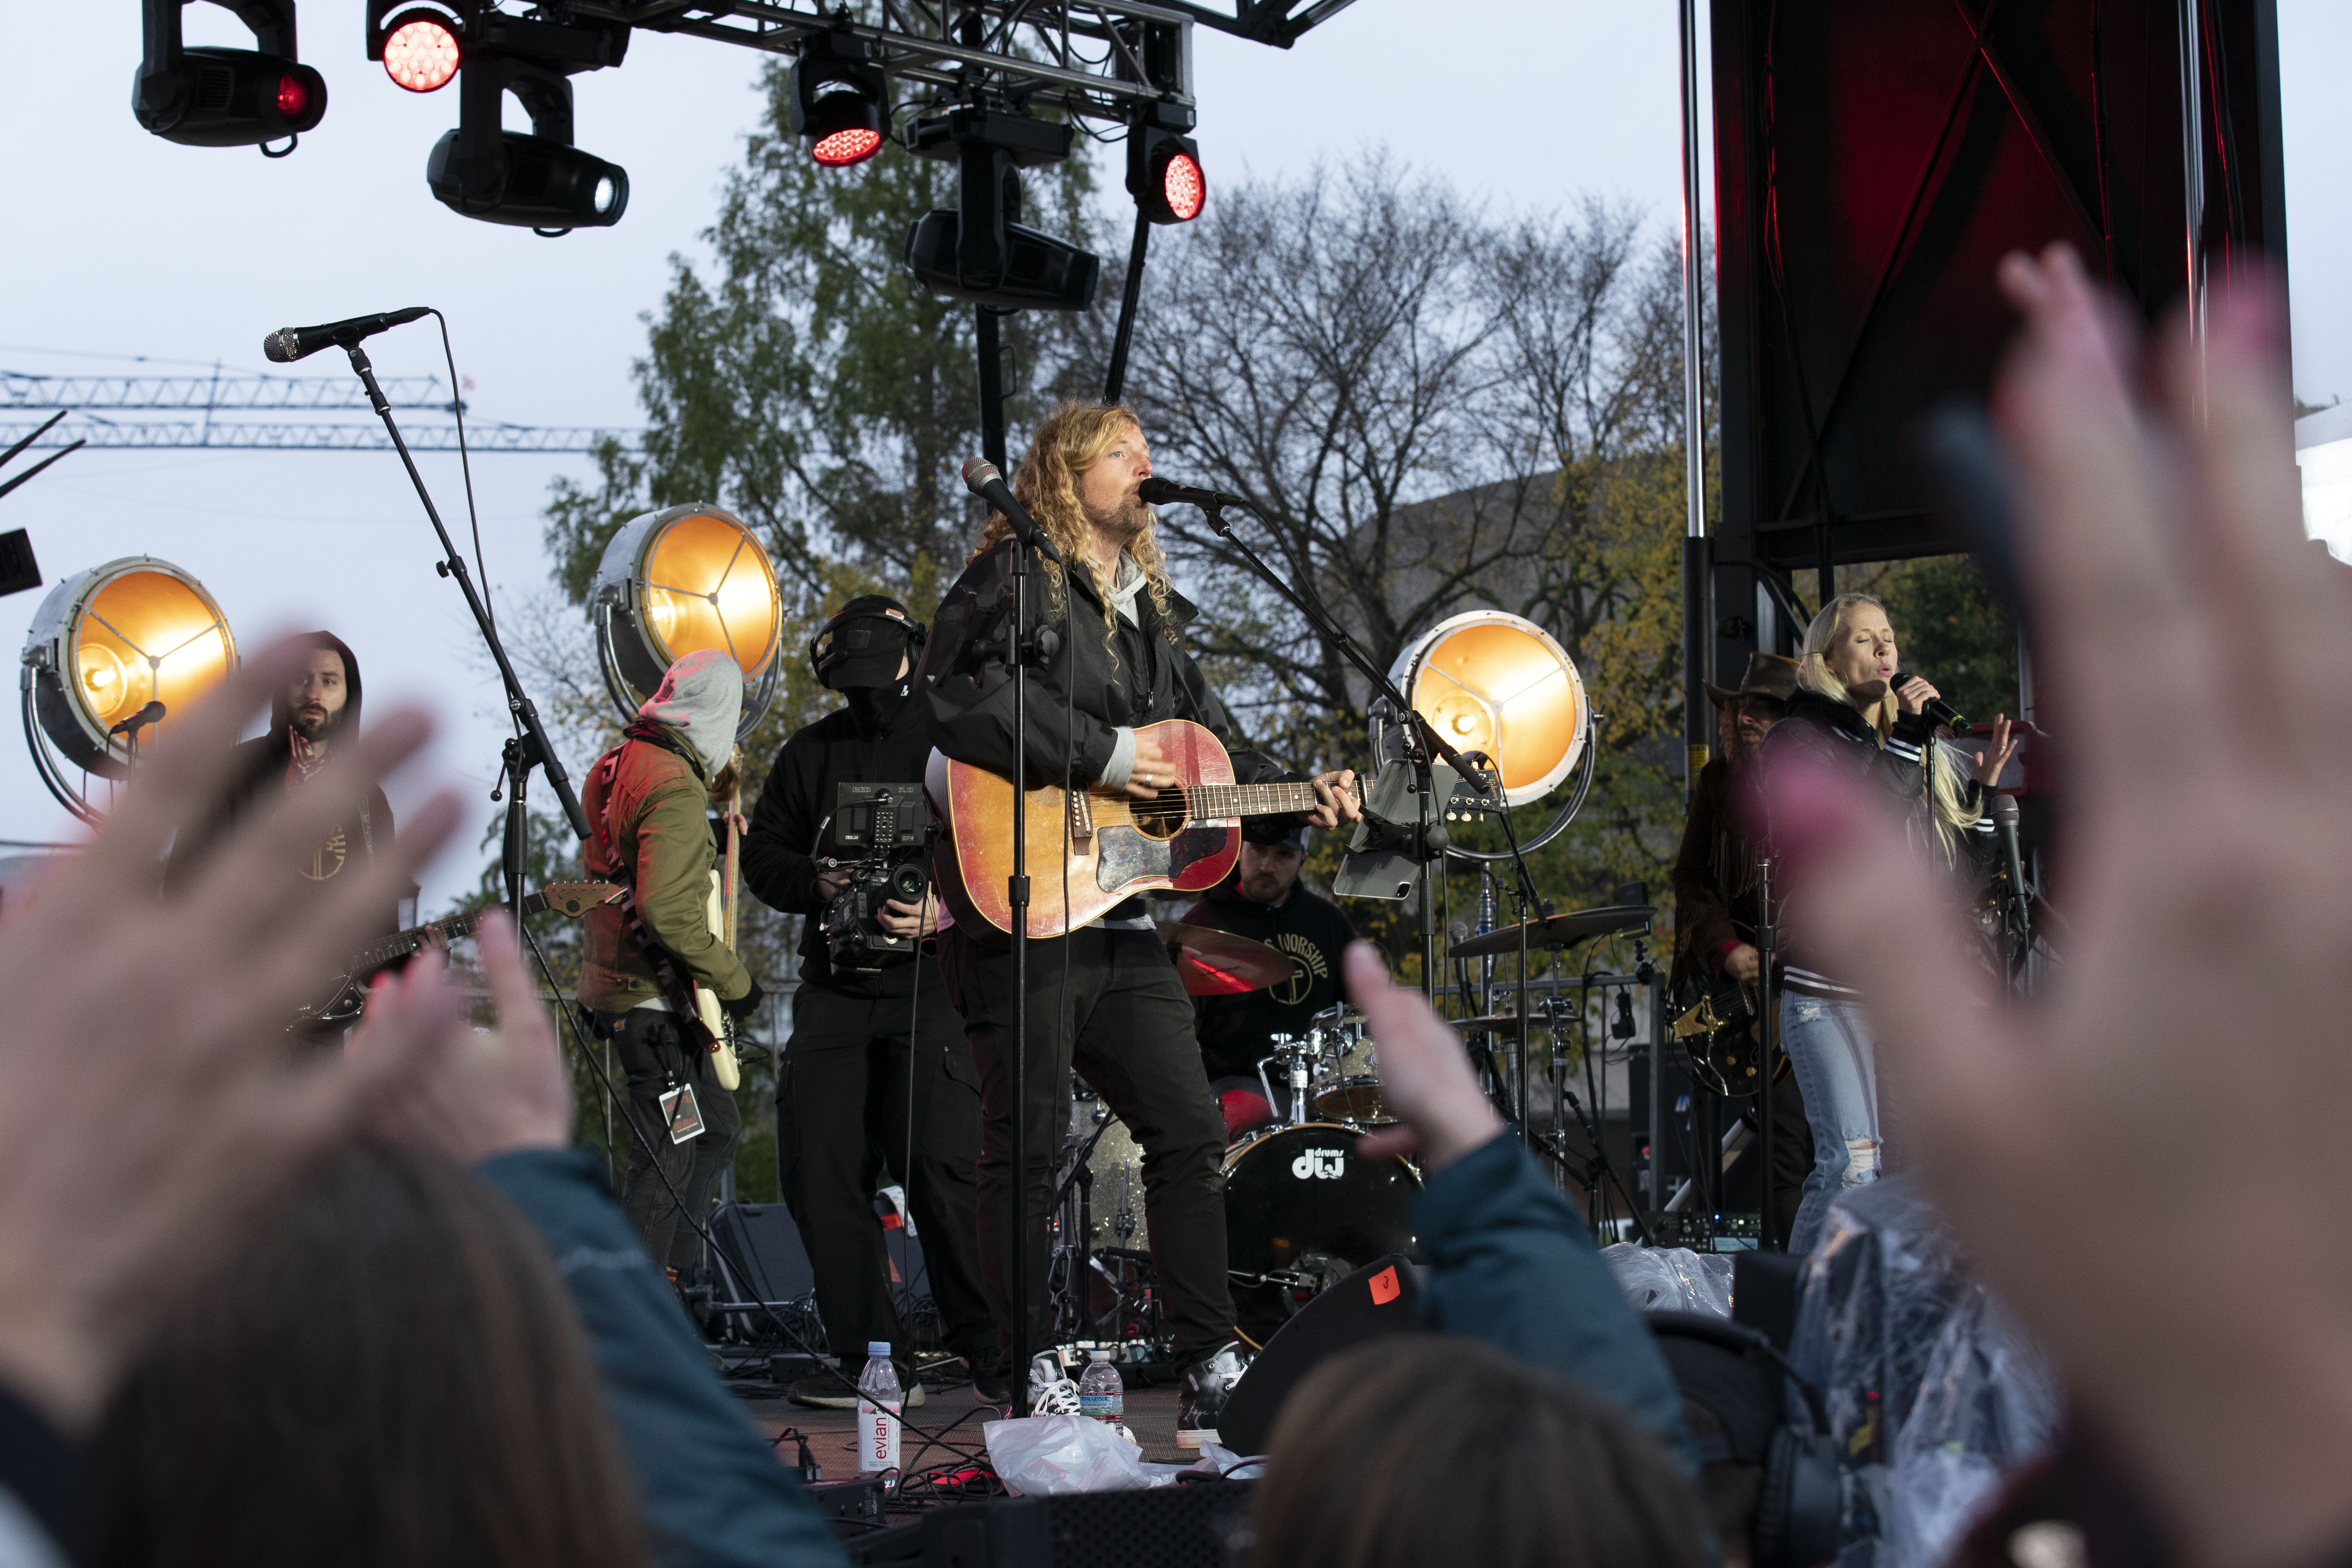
<point x="1302" y="1212"/>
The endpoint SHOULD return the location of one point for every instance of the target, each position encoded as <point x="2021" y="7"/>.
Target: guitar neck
<point x="400" y="944"/>
<point x="1212" y="803"/>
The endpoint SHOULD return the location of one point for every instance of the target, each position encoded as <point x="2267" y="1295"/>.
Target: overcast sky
<point x="129" y="249"/>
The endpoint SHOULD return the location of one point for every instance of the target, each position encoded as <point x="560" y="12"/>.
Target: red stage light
<point x="421" y="52"/>
<point x="844" y="148"/>
<point x="293" y="98"/>
<point x="1184" y="187"/>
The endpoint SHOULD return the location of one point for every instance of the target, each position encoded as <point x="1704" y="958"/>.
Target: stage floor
<point x="832" y="1434"/>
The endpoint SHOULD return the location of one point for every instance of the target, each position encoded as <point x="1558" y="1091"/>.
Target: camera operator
<point x="878" y="1072"/>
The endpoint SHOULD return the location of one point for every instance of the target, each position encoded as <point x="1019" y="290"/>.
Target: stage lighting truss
<point x="672" y="583"/>
<point x="1089" y="60"/>
<point x="1501" y="685"/>
<point x="207" y="97"/>
<point x="103" y="645"/>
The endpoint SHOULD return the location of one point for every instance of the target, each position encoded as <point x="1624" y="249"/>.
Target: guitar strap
<point x="676" y="989"/>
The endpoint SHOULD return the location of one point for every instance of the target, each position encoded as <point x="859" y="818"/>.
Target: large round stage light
<point x="675" y="582"/>
<point x="420" y="50"/>
<point x="104" y="645"/>
<point x="1500" y="684"/>
<point x="840" y="101"/>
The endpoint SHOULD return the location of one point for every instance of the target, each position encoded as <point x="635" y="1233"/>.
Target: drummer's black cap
<point x="861" y="645"/>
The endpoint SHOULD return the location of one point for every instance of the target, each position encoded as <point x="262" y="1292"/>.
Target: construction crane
<point x="202" y="400"/>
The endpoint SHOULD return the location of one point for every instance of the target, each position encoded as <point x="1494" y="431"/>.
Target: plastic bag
<point x="1933" y="1393"/>
<point x="1671" y="1279"/>
<point x="1054" y="1456"/>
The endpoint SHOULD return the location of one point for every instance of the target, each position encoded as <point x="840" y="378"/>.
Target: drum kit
<point x="1303" y="1209"/>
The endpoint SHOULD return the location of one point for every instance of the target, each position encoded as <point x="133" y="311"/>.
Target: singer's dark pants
<point x="656" y="1059"/>
<point x="1120" y="1017"/>
<point x="861" y="1075"/>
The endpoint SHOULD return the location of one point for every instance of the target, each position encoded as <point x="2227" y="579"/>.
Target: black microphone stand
<point x="1423" y="746"/>
<point x="530" y="747"/>
<point x="1767" y="1039"/>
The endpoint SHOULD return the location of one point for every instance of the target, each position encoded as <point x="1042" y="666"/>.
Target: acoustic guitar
<point x="1103" y="845"/>
<point x="348" y="992"/>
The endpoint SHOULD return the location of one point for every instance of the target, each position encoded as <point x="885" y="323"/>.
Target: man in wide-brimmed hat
<point x="1715" y="884"/>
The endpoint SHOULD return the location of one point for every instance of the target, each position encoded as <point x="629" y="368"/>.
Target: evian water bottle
<point x="877" y="1412"/>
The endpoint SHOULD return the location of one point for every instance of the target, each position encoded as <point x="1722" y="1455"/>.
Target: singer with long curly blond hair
<point x="1104" y="998"/>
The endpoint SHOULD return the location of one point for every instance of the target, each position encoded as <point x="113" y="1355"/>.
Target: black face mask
<point x="879" y="706"/>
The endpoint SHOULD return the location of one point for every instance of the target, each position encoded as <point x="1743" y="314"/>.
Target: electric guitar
<point x="1185" y="838"/>
<point x="348" y="992"/>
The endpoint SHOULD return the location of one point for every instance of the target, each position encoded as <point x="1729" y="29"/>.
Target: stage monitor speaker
<point x="1182" y="1526"/>
<point x="762" y="1239"/>
<point x="1378" y="1299"/>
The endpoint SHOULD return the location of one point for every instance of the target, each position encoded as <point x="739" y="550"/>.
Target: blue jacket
<point x="1512" y="1266"/>
<point x="712" y="1491"/>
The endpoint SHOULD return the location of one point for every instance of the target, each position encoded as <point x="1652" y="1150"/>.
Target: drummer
<point x="1266" y="901"/>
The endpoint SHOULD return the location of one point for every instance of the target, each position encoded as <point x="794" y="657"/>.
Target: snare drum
<point x="1302" y="1212"/>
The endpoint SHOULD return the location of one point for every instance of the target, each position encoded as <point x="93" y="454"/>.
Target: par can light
<point x="840" y="101"/>
<point x="103" y="645"/>
<point x="421" y="51"/>
<point x="674" y="581"/>
<point x="1499" y="684"/>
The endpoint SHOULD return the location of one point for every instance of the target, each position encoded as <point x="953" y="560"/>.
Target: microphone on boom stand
<point x="150" y="714"/>
<point x="983" y="480"/>
<point x="1157" y="491"/>
<point x="287" y="344"/>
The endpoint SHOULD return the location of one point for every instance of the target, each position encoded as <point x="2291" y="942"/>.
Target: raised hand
<point x="2195" y="1303"/>
<point x="150" y="1100"/>
<point x="475" y="1093"/>
<point x="1425" y="1074"/>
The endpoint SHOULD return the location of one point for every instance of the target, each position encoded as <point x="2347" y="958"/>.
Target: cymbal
<point x="1501" y="1022"/>
<point x="1214" y="963"/>
<point x="1557" y="930"/>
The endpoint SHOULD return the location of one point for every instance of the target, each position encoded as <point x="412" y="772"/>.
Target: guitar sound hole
<point x="1160" y="819"/>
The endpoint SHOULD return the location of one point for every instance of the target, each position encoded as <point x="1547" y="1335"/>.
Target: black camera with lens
<point x="884" y="821"/>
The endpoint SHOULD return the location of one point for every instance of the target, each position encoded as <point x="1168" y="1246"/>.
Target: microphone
<point x="150" y="714"/>
<point x="1941" y="711"/>
<point x="1157" y="491"/>
<point x="982" y="479"/>
<point x="2004" y="818"/>
<point x="287" y="344"/>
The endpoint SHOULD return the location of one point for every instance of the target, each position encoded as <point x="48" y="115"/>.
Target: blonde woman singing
<point x="1847" y="711"/>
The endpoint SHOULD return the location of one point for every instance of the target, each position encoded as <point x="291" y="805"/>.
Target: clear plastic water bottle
<point x="1100" y="1392"/>
<point x="879" y="1401"/>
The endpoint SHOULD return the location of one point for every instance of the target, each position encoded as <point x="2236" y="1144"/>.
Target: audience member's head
<point x="1419" y="1451"/>
<point x="390" y="1373"/>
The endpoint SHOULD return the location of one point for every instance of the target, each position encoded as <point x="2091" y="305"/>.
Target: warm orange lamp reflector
<point x="1502" y="685"/>
<point x="109" y="641"/>
<point x="675" y="582"/>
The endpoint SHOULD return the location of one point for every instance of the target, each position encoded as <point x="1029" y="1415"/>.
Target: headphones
<point x="832" y="642"/>
<point x="1803" y="1503"/>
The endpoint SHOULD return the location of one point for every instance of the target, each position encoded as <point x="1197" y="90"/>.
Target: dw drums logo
<point x="1324" y="1164"/>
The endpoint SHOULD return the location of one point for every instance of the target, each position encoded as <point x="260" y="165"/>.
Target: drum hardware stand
<point x="1768" y="1041"/>
<point x="1553" y="1146"/>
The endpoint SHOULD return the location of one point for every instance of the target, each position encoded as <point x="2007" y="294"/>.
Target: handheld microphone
<point x="150" y="714"/>
<point x="287" y="344"/>
<point x="1941" y="711"/>
<point x="1157" y="491"/>
<point x="2004" y="818"/>
<point x="982" y="479"/>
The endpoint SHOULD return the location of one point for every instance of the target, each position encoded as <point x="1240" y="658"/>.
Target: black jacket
<point x="1836" y="734"/>
<point x="782" y="844"/>
<point x="261" y="768"/>
<point x="1085" y="693"/>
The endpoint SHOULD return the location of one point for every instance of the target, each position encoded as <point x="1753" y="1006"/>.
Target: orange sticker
<point x="1385" y="1288"/>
